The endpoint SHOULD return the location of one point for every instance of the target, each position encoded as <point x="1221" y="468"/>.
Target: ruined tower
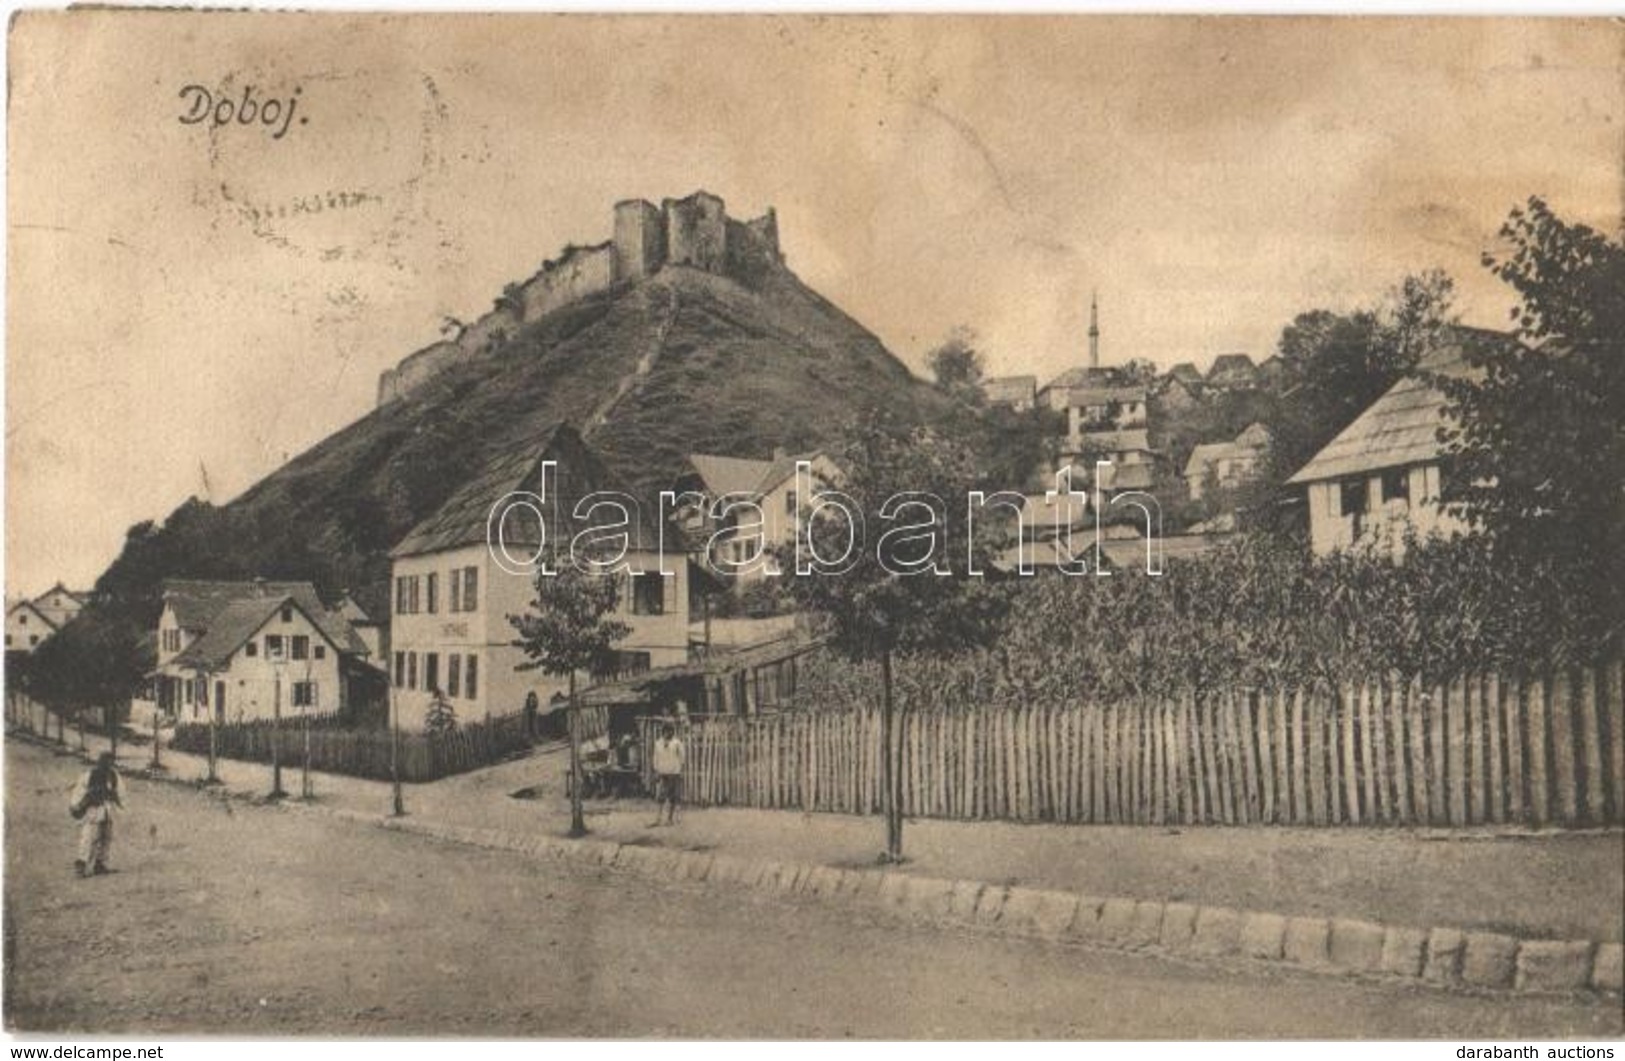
<point x="640" y="239"/>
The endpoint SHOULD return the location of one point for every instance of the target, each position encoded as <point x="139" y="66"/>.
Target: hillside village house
<point x="31" y="622"/>
<point x="1231" y="463"/>
<point x="1232" y="372"/>
<point x="770" y="484"/>
<point x="450" y="631"/>
<point x="1018" y="392"/>
<point x="248" y="650"/>
<point x="1381" y="475"/>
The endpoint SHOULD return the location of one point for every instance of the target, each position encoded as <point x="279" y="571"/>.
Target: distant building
<point x="245" y="650"/>
<point x="1382" y="475"/>
<point x="1018" y="392"/>
<point x="1186" y="373"/>
<point x="769" y="484"/>
<point x="1233" y="463"/>
<point x="374" y="635"/>
<point x="32" y="622"/>
<point x="1133" y="461"/>
<point x="450" y="631"/>
<point x="1232" y="372"/>
<point x="1175" y="394"/>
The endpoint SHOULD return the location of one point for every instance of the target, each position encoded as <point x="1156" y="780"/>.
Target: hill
<point x="735" y="359"/>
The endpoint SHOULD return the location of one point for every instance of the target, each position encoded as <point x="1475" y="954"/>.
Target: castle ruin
<point x="694" y="232"/>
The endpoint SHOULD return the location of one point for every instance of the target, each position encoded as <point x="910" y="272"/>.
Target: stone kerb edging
<point x="1440" y="956"/>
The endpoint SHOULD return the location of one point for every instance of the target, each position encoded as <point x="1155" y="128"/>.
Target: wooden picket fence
<point x="362" y="752"/>
<point x="1545" y="750"/>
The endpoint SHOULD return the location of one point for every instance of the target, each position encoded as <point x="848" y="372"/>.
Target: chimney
<point x="259" y="585"/>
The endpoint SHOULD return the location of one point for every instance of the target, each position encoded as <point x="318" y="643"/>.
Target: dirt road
<point x="256" y="921"/>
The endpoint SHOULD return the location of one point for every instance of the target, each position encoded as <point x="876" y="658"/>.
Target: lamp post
<point x="279" y="668"/>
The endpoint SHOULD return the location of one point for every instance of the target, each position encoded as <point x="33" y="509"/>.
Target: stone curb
<point x="1337" y="946"/>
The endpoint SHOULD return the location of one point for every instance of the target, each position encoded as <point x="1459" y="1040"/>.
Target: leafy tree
<point x="956" y="365"/>
<point x="1537" y="442"/>
<point x="567" y="631"/>
<point x="899" y="595"/>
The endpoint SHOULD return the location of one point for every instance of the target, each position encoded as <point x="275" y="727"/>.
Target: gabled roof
<point x="739" y="475"/>
<point x="1401" y="427"/>
<point x="1231" y="364"/>
<point x="239" y="621"/>
<point x="353" y="613"/>
<point x="80" y="597"/>
<point x="1084" y="376"/>
<point x="728" y="475"/>
<point x="31" y="606"/>
<point x="1185" y="372"/>
<point x="198" y="603"/>
<point x="462" y="519"/>
<point x="1251" y="442"/>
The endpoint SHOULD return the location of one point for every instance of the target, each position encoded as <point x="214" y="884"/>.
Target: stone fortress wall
<point x="694" y="232"/>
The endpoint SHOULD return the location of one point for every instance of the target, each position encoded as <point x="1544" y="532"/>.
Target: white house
<point x="249" y="650"/>
<point x="1381" y="475"/>
<point x="450" y="631"/>
<point x="31" y="622"/>
<point x="769" y="486"/>
<point x="1232" y="463"/>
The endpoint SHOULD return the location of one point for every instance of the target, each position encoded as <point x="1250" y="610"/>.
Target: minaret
<point x="1094" y="332"/>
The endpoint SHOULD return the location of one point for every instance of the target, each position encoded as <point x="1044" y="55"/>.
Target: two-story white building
<point x="1381" y="476"/>
<point x="249" y="650"/>
<point x="32" y="622"/>
<point x="767" y="511"/>
<point x="450" y="630"/>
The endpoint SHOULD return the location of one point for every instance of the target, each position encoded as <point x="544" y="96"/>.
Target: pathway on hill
<point x="634" y="379"/>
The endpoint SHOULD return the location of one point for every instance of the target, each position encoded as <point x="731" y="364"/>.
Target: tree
<point x="1335" y="366"/>
<point x="899" y="595"/>
<point x="567" y="631"/>
<point x="1537" y="442"/>
<point x="956" y="365"/>
<point x="442" y="717"/>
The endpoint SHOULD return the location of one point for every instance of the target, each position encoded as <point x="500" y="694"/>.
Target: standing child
<point x="92" y="803"/>
<point x="667" y="761"/>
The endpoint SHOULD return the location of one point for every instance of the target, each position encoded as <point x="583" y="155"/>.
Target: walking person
<point x="667" y="760"/>
<point x="92" y="802"/>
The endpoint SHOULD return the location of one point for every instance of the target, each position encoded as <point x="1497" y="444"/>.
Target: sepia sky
<point x="176" y="301"/>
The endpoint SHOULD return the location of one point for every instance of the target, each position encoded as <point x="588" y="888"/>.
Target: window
<point x="454" y="671"/>
<point x="299" y="646"/>
<point x="790" y="503"/>
<point x="273" y="646"/>
<point x="304" y="694"/>
<point x="400" y="595"/>
<point x="321" y="651"/>
<point x="648" y="594"/>
<point x="251" y="649"/>
<point x="454" y="588"/>
<point x="287" y="614"/>
<point x="400" y="669"/>
<point x="33" y="639"/>
<point x="8" y="640"/>
<point x="23" y="619"/>
<point x="411" y="670"/>
<point x="1396" y="485"/>
<point x="471" y="676"/>
<point x="1353" y="496"/>
<point x="413" y="603"/>
<point x="432" y="592"/>
<point x="431" y="671"/>
<point x="471" y="589"/>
